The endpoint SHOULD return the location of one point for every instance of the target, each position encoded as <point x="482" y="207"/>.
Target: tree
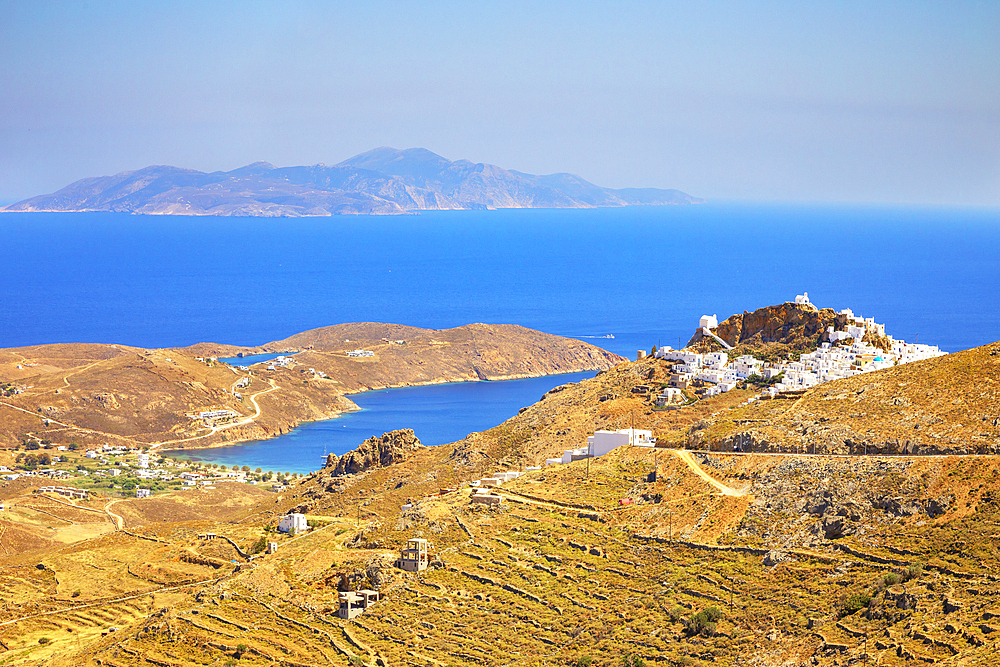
<point x="73" y="447"/>
<point x="704" y="622"/>
<point x="259" y="546"/>
<point x="258" y="471"/>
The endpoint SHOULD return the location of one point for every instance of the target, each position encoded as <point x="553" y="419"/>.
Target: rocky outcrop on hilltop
<point x="798" y="326"/>
<point x="375" y="452"/>
<point x="772" y="331"/>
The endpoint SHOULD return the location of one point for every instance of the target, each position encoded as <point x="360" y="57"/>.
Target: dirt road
<point x="688" y="458"/>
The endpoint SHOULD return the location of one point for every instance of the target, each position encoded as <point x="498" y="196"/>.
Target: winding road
<point x="215" y="429"/>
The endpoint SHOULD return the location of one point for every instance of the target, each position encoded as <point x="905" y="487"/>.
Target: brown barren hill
<point x="112" y="394"/>
<point x="811" y="560"/>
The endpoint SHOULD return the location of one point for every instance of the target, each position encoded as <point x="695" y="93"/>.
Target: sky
<point x="882" y="102"/>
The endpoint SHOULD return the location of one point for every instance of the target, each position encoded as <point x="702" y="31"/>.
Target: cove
<point x="438" y="414"/>
<point x="252" y="359"/>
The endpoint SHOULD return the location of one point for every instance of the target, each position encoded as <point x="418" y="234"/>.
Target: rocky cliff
<point x="774" y="331"/>
<point x="375" y="452"/>
<point x="380" y="182"/>
<point x="794" y="325"/>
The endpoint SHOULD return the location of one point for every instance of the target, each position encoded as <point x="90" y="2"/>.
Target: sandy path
<point x="117" y="519"/>
<point x="77" y="428"/>
<point x="686" y="456"/>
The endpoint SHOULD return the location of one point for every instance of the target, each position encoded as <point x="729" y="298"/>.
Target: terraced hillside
<point x="666" y="555"/>
<point x="563" y="570"/>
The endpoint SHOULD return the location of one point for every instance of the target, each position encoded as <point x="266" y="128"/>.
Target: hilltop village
<point x="861" y="346"/>
<point x="641" y="516"/>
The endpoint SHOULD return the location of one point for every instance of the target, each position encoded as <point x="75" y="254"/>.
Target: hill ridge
<point x="382" y="181"/>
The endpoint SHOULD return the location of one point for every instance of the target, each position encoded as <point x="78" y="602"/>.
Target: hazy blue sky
<point x="820" y="101"/>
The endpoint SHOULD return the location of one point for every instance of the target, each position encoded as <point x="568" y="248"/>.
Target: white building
<point x="292" y="523"/>
<point x="142" y="493"/>
<point x="142" y="460"/>
<point x="802" y="299"/>
<point x="603" y="442"/>
<point x="708" y="322"/>
<point x="715" y="360"/>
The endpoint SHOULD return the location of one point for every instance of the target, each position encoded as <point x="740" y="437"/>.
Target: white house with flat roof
<point x="603" y="442"/>
<point x="293" y="523"/>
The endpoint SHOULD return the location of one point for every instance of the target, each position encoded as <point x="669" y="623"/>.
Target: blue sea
<point x="438" y="414"/>
<point x="642" y="274"/>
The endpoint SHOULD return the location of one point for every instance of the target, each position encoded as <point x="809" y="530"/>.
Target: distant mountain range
<point x="383" y="181"/>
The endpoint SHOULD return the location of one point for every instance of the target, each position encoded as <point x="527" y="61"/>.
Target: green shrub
<point x="44" y="640"/>
<point x="584" y="661"/>
<point x="704" y="622"/>
<point x="914" y="571"/>
<point x="854" y="603"/>
<point x="891" y="579"/>
<point x="631" y="660"/>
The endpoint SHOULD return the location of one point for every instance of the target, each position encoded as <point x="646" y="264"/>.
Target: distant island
<point x="383" y="181"/>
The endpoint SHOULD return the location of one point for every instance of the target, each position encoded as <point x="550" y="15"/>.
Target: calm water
<point x="250" y="359"/>
<point x="438" y="414"/>
<point x="644" y="274"/>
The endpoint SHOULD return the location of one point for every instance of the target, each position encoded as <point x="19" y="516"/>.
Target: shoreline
<point x="238" y="443"/>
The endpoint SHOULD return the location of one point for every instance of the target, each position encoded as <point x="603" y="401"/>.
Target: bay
<point x="438" y="414"/>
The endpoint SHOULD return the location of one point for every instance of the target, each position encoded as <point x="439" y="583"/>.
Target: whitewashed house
<point x="293" y="523"/>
